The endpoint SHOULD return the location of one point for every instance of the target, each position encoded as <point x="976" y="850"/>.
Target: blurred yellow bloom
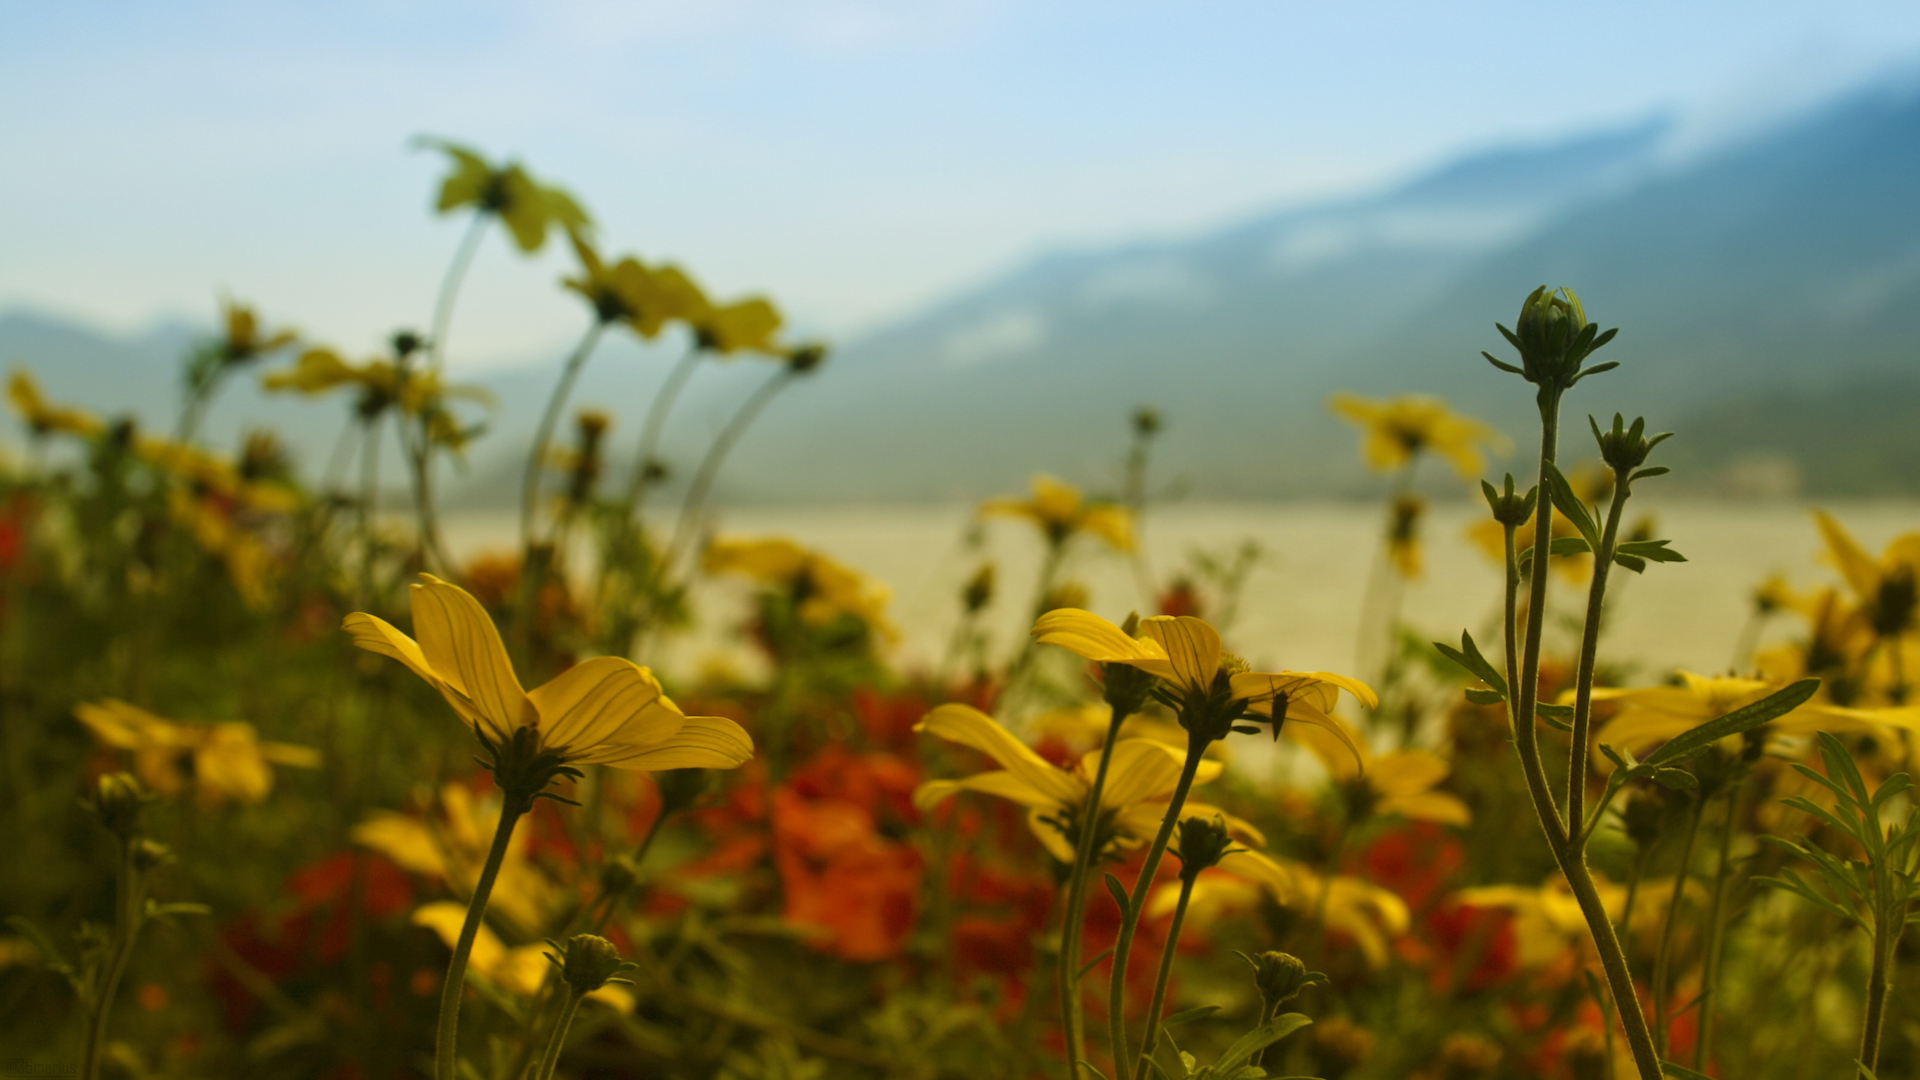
<point x="603" y="711"/>
<point x="1186" y="653"/>
<point x="1887" y="588"/>
<point x="228" y="761"/>
<point x="1400" y="428"/>
<point x="519" y="970"/>
<point x="1403" y="533"/>
<point x="1547" y="921"/>
<point x="1401" y="783"/>
<point x="628" y="291"/>
<point x="244" y="340"/>
<point x="1060" y="512"/>
<point x="1491" y="537"/>
<point x="450" y="842"/>
<point x="822" y="588"/>
<point x="526" y="208"/>
<point x="1650" y="716"/>
<point x="1370" y="915"/>
<point x="1140" y="781"/>
<point x="748" y="324"/>
<point x="44" y="417"/>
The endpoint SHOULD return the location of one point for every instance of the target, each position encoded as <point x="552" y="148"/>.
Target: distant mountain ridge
<point x="1775" y="270"/>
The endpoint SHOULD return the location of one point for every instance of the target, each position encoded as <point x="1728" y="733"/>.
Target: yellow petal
<point x="377" y="635"/>
<point x="1854" y="564"/>
<point x="1335" y="746"/>
<point x="444" y="918"/>
<point x="1192" y="647"/>
<point x="460" y="644"/>
<point x="999" y="783"/>
<point x="605" y="700"/>
<point x="1435" y="806"/>
<point x="402" y="839"/>
<point x="1407" y="772"/>
<point x="971" y="727"/>
<point x="1142" y="769"/>
<point x="703" y="742"/>
<point x="1088" y="635"/>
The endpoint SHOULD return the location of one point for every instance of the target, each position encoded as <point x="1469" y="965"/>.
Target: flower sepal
<point x="523" y="769"/>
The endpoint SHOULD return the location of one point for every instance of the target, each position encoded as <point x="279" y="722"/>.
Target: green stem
<point x="1166" y="972"/>
<point x="1663" y="953"/>
<point x="551" y="1058"/>
<point x="450" y="288"/>
<point x="1526" y="690"/>
<point x="126" y="926"/>
<point x="1879" y="986"/>
<point x="536" y="456"/>
<point x="445" y="1050"/>
<point x="1130" y="917"/>
<point x="691" y="510"/>
<point x="1070" y="926"/>
<point x="1716" y="935"/>
<point x="1589" y="650"/>
<point x="1135" y="499"/>
<point x="663" y="400"/>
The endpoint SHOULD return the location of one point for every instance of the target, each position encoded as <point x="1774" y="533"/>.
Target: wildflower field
<point x="292" y="792"/>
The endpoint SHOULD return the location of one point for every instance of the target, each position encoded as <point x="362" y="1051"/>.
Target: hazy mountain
<point x="1760" y="289"/>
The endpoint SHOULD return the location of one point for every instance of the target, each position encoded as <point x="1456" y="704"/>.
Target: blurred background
<point x="1015" y="222"/>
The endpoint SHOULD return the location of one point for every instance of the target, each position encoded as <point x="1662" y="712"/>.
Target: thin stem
<point x="1070" y="927"/>
<point x="335" y="477"/>
<point x="663" y="401"/>
<point x="1526" y="691"/>
<point x="445" y="1049"/>
<point x="1136" y="501"/>
<point x="551" y="1058"/>
<point x="1716" y="935"/>
<point x="1661" y="955"/>
<point x="369" y="496"/>
<point x="536" y="455"/>
<point x="1268" y="1010"/>
<point x="1130" y="918"/>
<point x="1879" y="984"/>
<point x="450" y="288"/>
<point x="1166" y="972"/>
<point x="691" y="510"/>
<point x="126" y="926"/>
<point x="1589" y="649"/>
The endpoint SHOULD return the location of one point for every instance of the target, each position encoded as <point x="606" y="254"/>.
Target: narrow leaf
<point x="1119" y="892"/>
<point x="1682" y="1071"/>
<point x="1567" y="503"/>
<point x="1189" y="1016"/>
<point x="1774" y="705"/>
<point x="1651" y="550"/>
<point x="1260" y="1038"/>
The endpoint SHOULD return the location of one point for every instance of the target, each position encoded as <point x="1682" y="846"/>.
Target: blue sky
<point x="852" y="158"/>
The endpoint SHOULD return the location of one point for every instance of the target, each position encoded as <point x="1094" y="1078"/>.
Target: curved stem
<point x="445" y="1046"/>
<point x="1879" y="983"/>
<point x="1130" y="918"/>
<point x="125" y="927"/>
<point x="551" y="1058"/>
<point x="536" y="455"/>
<point x="1589" y="651"/>
<point x="335" y="478"/>
<point x="1166" y="972"/>
<point x="691" y="510"/>
<point x="450" y="289"/>
<point x="1136" y="501"/>
<point x="1661" y="956"/>
<point x="1526" y="691"/>
<point x="663" y="401"/>
<point x="1070" y="928"/>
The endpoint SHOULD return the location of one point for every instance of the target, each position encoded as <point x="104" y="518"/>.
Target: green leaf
<point x="1657" y="470"/>
<point x="1119" y="892"/>
<point x="1774" y="705"/>
<point x="1864" y="1071"/>
<point x="1895" y="784"/>
<point x="1094" y="963"/>
<point x="1260" y="1038"/>
<point x="1638" y="566"/>
<point x="1485" y="697"/>
<point x="1650" y="550"/>
<point x="49" y="954"/>
<point x="1682" y="1072"/>
<point x="1840" y="766"/>
<point x="1555" y="715"/>
<point x="1568" y="504"/>
<point x="1675" y="779"/>
<point x="1469" y="657"/>
<point x="1090" y="1067"/>
<point x="1189" y="1016"/>
<point x="1622" y="759"/>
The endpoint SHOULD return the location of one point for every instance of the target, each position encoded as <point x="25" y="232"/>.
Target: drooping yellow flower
<point x="1400" y="428"/>
<point x="228" y="761"/>
<point x="1887" y="588"/>
<point x="450" y="842"/>
<point x="1140" y="780"/>
<point x="1401" y="783"/>
<point x="629" y="291"/>
<point x="1365" y="912"/>
<point x="603" y="711"/>
<point x="520" y="970"/>
<point x="245" y="341"/>
<point x="748" y="324"/>
<point x="822" y="588"/>
<point x="1186" y="653"/>
<point x="44" y="417"/>
<point x="1062" y="513"/>
<point x="525" y="207"/>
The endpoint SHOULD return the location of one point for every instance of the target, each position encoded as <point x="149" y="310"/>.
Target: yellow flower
<point x="1401" y="783"/>
<point x="1547" y="921"/>
<point x="1140" y="780"/>
<point x="1370" y="915"/>
<point x="1060" y="512"/>
<point x="1650" y="716"/>
<point x="46" y="418"/>
<point x="450" y="842"/>
<point x="1403" y="533"/>
<point x="1185" y="653"/>
<point x="228" y="760"/>
<point x="746" y="324"/>
<point x="526" y="208"/>
<point x="603" y="711"/>
<point x="1401" y="428"/>
<point x="822" y="588"/>
<point x="630" y="292"/>
<point x="519" y="970"/>
<point x="1888" y="589"/>
<point x="244" y="340"/>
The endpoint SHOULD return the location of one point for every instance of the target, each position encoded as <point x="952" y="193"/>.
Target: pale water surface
<point x="1301" y="606"/>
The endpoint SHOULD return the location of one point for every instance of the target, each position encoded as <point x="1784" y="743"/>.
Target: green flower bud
<point x="1280" y="976"/>
<point x="116" y="800"/>
<point x="1625" y="449"/>
<point x="1146" y="422"/>
<point x="1553" y="338"/>
<point x="805" y="358"/>
<point x="618" y="875"/>
<point x="1509" y="508"/>
<point x="150" y="855"/>
<point x="1203" y="842"/>
<point x="589" y="963"/>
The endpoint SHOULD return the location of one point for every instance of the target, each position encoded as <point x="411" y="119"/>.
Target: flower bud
<point x="1553" y="337"/>
<point x="1146" y="422"/>
<point x="150" y="855"/>
<point x="116" y="801"/>
<point x="588" y="963"/>
<point x="978" y="592"/>
<point x="617" y="875"/>
<point x="406" y="343"/>
<point x="1509" y="509"/>
<point x="1202" y="844"/>
<point x="1280" y="977"/>
<point x="805" y="358"/>
<point x="1625" y="449"/>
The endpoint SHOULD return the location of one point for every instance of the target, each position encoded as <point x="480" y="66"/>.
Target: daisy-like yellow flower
<point x="1140" y="781"/>
<point x="527" y="208"/>
<point x="645" y="298"/>
<point x="1401" y="783"/>
<point x="748" y="325"/>
<point x="1400" y="428"/>
<point x="1062" y="512"/>
<point x="1887" y="588"/>
<point x="1185" y="653"/>
<point x="822" y="588"/>
<point x="1360" y="910"/>
<point x="227" y="761"/>
<point x="1548" y="921"/>
<point x="450" y="842"/>
<point x="245" y="341"/>
<point x="603" y="711"/>
<point x="44" y="417"/>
